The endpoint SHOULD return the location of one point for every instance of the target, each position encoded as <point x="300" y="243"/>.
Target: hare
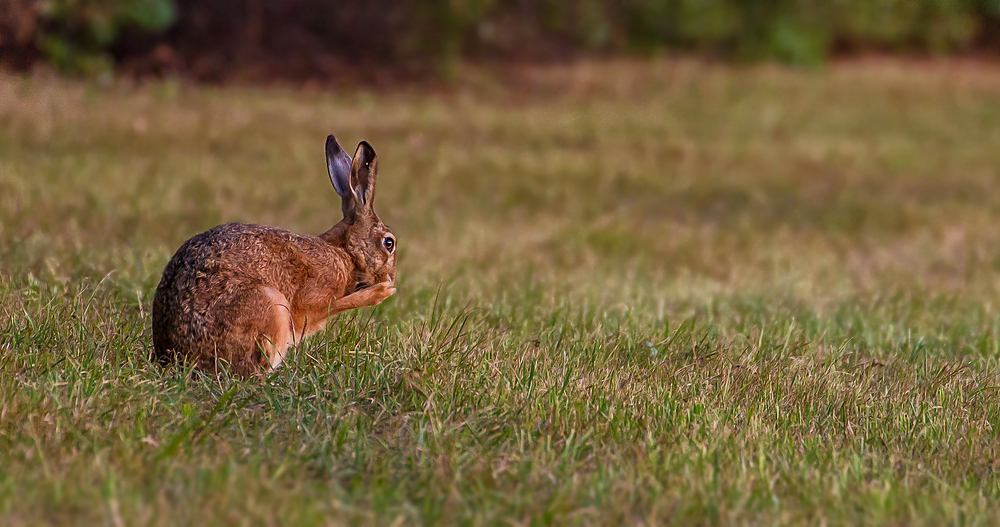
<point x="241" y="294"/>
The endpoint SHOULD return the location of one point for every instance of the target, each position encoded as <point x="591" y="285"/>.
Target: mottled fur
<point x="238" y="295"/>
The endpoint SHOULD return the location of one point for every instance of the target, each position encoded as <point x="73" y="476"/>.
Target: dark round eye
<point x="388" y="243"/>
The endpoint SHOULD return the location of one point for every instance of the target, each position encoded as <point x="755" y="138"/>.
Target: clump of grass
<point x="662" y="292"/>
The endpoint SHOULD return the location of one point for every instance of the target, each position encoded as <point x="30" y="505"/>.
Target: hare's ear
<point x="338" y="163"/>
<point x="364" y="171"/>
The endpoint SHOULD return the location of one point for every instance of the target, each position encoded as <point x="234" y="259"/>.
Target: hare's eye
<point x="388" y="243"/>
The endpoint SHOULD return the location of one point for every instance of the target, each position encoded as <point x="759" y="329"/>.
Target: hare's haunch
<point x="239" y="295"/>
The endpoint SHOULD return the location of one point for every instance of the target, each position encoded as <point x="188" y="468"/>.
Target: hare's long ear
<point x="364" y="171"/>
<point x="338" y="163"/>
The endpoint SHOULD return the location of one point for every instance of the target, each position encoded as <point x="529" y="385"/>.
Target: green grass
<point x="627" y="293"/>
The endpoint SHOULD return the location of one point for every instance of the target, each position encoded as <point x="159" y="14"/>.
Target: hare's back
<point x="234" y="253"/>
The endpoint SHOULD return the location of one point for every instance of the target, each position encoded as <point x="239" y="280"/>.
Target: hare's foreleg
<point x="371" y="296"/>
<point x="263" y="324"/>
<point x="310" y="318"/>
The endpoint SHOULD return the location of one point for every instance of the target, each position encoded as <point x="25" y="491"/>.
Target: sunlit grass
<point x="628" y="292"/>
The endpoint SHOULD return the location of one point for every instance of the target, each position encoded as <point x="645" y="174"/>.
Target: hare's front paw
<point x="380" y="292"/>
<point x="369" y="296"/>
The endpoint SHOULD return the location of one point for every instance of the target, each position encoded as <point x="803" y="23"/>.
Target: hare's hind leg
<point x="256" y="331"/>
<point x="278" y="332"/>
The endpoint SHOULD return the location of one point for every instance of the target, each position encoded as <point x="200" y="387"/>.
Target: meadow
<point x="629" y="292"/>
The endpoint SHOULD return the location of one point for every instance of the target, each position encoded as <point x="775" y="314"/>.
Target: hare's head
<point x="368" y="241"/>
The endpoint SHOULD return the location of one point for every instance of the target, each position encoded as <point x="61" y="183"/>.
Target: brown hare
<point x="239" y="295"/>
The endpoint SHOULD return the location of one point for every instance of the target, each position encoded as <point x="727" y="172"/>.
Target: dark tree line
<point x="215" y="39"/>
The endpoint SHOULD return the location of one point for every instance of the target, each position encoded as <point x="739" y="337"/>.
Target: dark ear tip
<point x="332" y="146"/>
<point x="366" y="150"/>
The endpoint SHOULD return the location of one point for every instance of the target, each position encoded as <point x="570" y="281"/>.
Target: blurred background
<point x="717" y="138"/>
<point x="749" y="145"/>
<point x="317" y="39"/>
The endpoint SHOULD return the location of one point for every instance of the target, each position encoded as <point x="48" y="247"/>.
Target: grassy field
<point x="628" y="293"/>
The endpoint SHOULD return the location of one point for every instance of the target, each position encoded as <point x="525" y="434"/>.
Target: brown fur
<point x="239" y="295"/>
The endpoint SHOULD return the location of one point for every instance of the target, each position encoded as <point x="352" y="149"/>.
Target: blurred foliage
<point x="77" y="35"/>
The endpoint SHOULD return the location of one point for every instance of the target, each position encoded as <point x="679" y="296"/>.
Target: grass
<point x="628" y="293"/>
